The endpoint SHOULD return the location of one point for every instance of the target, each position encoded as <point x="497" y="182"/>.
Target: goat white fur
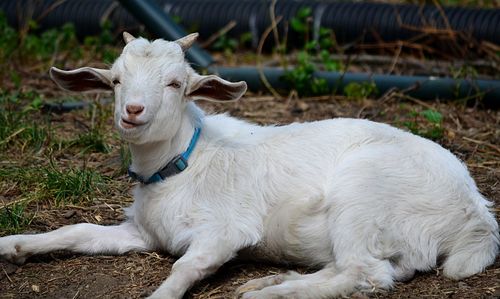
<point x="364" y="202"/>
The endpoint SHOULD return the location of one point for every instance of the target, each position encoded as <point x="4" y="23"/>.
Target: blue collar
<point x="175" y="166"/>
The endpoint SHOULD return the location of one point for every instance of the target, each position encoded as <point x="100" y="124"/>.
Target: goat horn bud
<point x="127" y="37"/>
<point x="187" y="41"/>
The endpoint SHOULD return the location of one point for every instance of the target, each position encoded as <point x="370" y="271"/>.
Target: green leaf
<point x="298" y="25"/>
<point x="304" y="12"/>
<point x="433" y="116"/>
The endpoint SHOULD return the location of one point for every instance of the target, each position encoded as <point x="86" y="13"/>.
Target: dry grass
<point x="473" y="134"/>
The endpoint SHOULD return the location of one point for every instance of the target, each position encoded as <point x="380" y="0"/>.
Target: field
<point x="65" y="168"/>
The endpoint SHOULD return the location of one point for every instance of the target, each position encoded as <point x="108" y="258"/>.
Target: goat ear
<point x="82" y="79"/>
<point x="213" y="88"/>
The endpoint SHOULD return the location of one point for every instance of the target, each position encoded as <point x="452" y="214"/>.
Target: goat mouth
<point x="128" y="124"/>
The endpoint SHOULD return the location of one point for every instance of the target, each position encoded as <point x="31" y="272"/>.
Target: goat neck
<point x="148" y="158"/>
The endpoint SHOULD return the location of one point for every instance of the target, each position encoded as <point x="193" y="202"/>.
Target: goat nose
<point x="134" y="109"/>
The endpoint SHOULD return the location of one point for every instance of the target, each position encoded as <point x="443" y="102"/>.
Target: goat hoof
<point x="259" y="284"/>
<point x="11" y="250"/>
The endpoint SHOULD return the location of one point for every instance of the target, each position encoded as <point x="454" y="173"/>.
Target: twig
<point x="6" y="140"/>
<point x="274" y="23"/>
<point x="494" y="147"/>
<point x="218" y="34"/>
<point x="445" y="18"/>
<point x="108" y="11"/>
<point x="7" y="275"/>
<point x="259" y="59"/>
<point x="14" y="202"/>
<point x="414" y="100"/>
<point x="49" y="9"/>
<point x="396" y="58"/>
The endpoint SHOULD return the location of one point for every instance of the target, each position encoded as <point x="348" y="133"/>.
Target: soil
<point x="472" y="133"/>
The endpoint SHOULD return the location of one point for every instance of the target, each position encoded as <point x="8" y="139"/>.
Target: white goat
<point x="365" y="202"/>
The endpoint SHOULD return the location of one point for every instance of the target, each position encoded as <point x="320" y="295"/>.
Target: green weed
<point x="53" y="46"/>
<point x="100" y="44"/>
<point x="125" y="159"/>
<point x="49" y="43"/>
<point x="315" y="53"/>
<point x="301" y="22"/>
<point x="427" y="123"/>
<point x="362" y="90"/>
<point x="8" y="39"/>
<point x="225" y="44"/>
<point x="92" y="141"/>
<point x="71" y="185"/>
<point x="14" y="219"/>
<point x="301" y="77"/>
<point x="16" y="180"/>
<point x="18" y="121"/>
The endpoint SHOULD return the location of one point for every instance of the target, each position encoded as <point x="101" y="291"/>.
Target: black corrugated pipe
<point x="366" y="22"/>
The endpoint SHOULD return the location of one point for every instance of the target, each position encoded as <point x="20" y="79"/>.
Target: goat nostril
<point x="134" y="109"/>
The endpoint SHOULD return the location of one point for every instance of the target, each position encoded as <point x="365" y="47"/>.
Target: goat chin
<point x="365" y="203"/>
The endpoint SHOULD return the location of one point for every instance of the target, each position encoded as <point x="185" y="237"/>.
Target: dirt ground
<point x="473" y="134"/>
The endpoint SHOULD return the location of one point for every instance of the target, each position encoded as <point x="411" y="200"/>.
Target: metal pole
<point x="427" y="88"/>
<point x="160" y="24"/>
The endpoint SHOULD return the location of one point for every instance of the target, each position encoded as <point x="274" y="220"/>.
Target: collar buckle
<point x="175" y="166"/>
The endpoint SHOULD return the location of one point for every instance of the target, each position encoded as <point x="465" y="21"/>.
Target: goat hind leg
<point x="83" y="238"/>
<point x="326" y="283"/>
<point x="260" y="283"/>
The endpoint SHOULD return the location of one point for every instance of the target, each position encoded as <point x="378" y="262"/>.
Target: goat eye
<point x="174" y="84"/>
<point x="116" y="82"/>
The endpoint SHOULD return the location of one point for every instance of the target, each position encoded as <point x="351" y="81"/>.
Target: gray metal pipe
<point x="427" y="88"/>
<point x="159" y="23"/>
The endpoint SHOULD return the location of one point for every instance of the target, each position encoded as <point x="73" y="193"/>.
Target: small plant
<point x="91" y="141"/>
<point x="71" y="185"/>
<point x="315" y="56"/>
<point x="362" y="90"/>
<point x="470" y="74"/>
<point x="44" y="46"/>
<point x="246" y="39"/>
<point x="427" y="123"/>
<point x="18" y="124"/>
<point x="51" y="47"/>
<point x="125" y="159"/>
<point x="301" y="77"/>
<point x="8" y="39"/>
<point x="301" y="22"/>
<point x="101" y="44"/>
<point x="13" y="219"/>
<point x="225" y="44"/>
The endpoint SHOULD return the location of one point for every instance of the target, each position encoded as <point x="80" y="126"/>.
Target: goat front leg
<point x="82" y="238"/>
<point x="201" y="259"/>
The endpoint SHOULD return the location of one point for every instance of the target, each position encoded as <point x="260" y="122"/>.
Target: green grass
<point x="72" y="185"/>
<point x="125" y="159"/>
<point x="427" y="123"/>
<point x="20" y="123"/>
<point x="54" y="184"/>
<point x="92" y="141"/>
<point x="14" y="219"/>
<point x="362" y="90"/>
